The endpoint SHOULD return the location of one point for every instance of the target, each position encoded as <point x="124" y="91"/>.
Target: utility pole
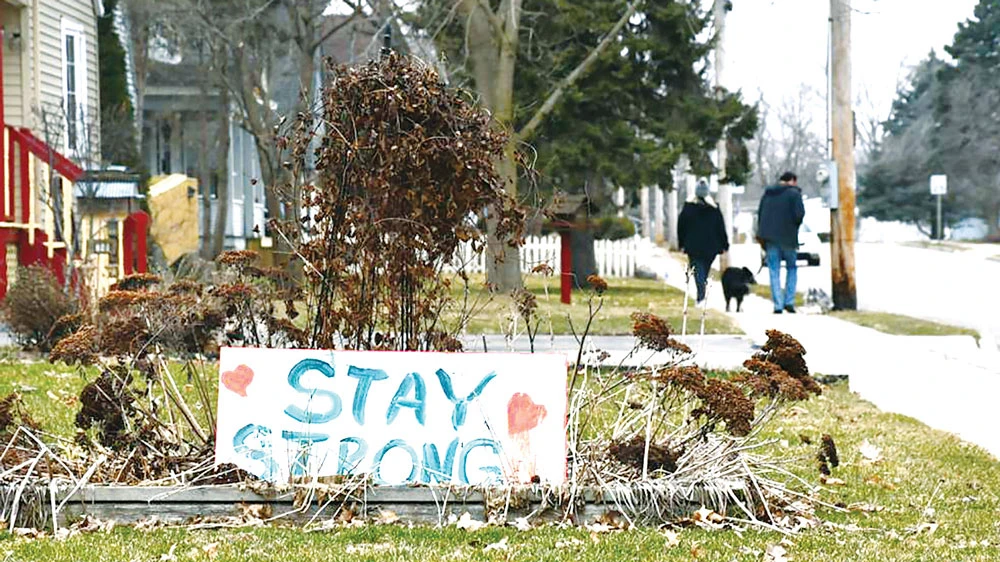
<point x="842" y="218"/>
<point x="725" y="195"/>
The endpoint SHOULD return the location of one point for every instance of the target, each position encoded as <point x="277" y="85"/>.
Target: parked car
<point x="810" y="246"/>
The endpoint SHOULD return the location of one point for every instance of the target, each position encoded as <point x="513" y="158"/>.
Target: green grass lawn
<point x="900" y="325"/>
<point x="927" y="497"/>
<point x="493" y="313"/>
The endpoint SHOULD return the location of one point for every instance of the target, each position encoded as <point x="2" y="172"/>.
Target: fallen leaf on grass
<point x="865" y="507"/>
<point x="169" y="556"/>
<point x="599" y="528"/>
<point x="252" y="511"/>
<point x="569" y="543"/>
<point x="27" y="532"/>
<point x="499" y="545"/>
<point x="673" y="538"/>
<point x="211" y="549"/>
<point x="468" y="523"/>
<point x="387" y="517"/>
<point x="870" y="453"/>
<point x="707" y="518"/>
<point x="924" y="528"/>
<point x="831" y="481"/>
<point x="89" y="524"/>
<point x="368" y="548"/>
<point x="148" y="524"/>
<point x="521" y="524"/>
<point x="776" y="553"/>
<point x="795" y="411"/>
<point x="876" y="480"/>
<point x="614" y="519"/>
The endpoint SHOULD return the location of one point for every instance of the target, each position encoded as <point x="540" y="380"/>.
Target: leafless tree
<point x="789" y="139"/>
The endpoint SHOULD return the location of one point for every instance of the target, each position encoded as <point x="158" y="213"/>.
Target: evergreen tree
<point x="118" y="135"/>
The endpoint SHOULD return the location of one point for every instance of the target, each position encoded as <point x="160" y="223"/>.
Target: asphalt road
<point x="961" y="288"/>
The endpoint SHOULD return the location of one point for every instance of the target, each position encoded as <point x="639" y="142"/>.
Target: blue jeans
<point x="775" y="255"/>
<point x="701" y="267"/>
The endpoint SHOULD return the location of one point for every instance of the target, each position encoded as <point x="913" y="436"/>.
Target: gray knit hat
<point x="701" y="190"/>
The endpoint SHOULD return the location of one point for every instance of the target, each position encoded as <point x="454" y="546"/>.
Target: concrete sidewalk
<point x="944" y="382"/>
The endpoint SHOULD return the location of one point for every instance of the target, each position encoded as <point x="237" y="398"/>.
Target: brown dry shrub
<point x="405" y="163"/>
<point x="106" y="405"/>
<point x="632" y="453"/>
<point x="33" y="304"/>
<point x="13" y="414"/>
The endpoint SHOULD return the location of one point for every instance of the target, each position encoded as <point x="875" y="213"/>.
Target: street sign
<point x="939" y="184"/>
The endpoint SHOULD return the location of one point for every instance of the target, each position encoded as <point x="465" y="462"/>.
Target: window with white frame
<point x="74" y="78"/>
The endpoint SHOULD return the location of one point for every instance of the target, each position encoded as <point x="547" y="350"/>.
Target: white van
<point x="810" y="246"/>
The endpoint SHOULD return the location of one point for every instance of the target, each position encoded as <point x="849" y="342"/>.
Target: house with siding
<point x="181" y="117"/>
<point x="49" y="116"/>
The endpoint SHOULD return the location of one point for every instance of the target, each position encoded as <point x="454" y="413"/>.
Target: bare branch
<point x="550" y="102"/>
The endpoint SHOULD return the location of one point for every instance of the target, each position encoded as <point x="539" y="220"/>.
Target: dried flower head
<point x="543" y="269"/>
<point x="689" y="378"/>
<point x="597" y="283"/>
<point x="724" y="401"/>
<point x="525" y="302"/>
<point x="137" y="282"/>
<point x="79" y="347"/>
<point x="238" y="258"/>
<point x="654" y="333"/>
<point x="121" y="301"/>
<point x="779" y="370"/>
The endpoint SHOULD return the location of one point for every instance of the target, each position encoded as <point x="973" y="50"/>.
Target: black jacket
<point x="779" y="216"/>
<point x="701" y="231"/>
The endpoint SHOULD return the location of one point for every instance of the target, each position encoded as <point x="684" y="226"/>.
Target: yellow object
<point x="174" y="215"/>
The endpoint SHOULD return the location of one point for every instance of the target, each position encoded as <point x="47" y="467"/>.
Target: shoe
<point x="777" y="311"/>
<point x="790" y="309"/>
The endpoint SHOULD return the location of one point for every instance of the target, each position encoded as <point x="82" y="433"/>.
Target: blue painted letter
<point x="461" y="405"/>
<point x="365" y="378"/>
<point x="348" y="461"/>
<point x="300" y="466"/>
<point x="377" y="463"/>
<point x="432" y="463"/>
<point x="253" y="442"/>
<point x="415" y="383"/>
<point x="308" y="416"/>
<point x="463" y="460"/>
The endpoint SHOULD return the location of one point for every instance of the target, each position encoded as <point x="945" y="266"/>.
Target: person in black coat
<point x="701" y="234"/>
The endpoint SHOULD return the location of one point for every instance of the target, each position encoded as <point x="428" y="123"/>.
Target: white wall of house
<point x="64" y="41"/>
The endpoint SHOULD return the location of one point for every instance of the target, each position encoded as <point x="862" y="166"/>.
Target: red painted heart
<point x="523" y="414"/>
<point x="238" y="380"/>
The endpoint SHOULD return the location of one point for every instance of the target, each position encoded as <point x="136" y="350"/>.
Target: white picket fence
<point x="615" y="258"/>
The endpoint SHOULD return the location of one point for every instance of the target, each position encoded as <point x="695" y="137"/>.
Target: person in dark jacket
<point x="701" y="234"/>
<point x="778" y="219"/>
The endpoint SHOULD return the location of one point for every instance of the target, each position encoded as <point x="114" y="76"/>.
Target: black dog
<point x="736" y="283"/>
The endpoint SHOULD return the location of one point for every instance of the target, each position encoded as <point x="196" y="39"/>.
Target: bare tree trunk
<point x="222" y="172"/>
<point x="205" y="179"/>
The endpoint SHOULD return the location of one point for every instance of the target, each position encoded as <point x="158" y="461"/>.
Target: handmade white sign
<point x="462" y="418"/>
